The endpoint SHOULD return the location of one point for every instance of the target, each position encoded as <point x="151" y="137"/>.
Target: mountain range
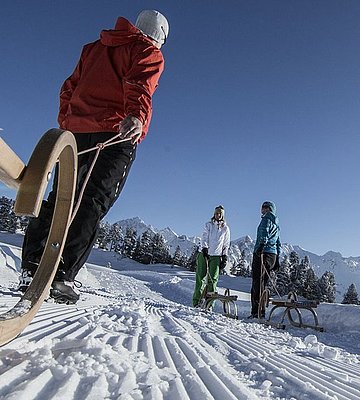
<point x="345" y="269"/>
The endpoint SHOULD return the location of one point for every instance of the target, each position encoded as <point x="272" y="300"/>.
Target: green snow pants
<point x="200" y="280"/>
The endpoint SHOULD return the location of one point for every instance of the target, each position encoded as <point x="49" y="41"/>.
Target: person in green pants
<point x="213" y="257"/>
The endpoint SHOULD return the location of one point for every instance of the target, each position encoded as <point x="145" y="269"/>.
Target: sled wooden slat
<point x="55" y="145"/>
<point x="221" y="297"/>
<point x="287" y="303"/>
<point x="11" y="166"/>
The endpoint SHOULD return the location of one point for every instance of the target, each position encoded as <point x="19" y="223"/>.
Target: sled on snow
<point x="291" y="308"/>
<point x="30" y="181"/>
<point x="227" y="300"/>
<point x="207" y="298"/>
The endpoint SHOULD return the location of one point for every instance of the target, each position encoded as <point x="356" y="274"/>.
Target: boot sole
<point x="62" y="298"/>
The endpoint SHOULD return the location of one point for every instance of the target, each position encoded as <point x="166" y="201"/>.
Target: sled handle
<point x="38" y="172"/>
<point x="11" y="166"/>
<point x="55" y="145"/>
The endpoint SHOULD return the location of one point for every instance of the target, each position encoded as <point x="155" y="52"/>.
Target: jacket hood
<point x="271" y="205"/>
<point x="124" y="32"/>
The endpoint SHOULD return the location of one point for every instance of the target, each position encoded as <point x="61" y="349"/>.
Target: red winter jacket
<point x="116" y="76"/>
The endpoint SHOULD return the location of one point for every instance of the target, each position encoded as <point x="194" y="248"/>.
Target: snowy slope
<point x="133" y="336"/>
<point x="345" y="270"/>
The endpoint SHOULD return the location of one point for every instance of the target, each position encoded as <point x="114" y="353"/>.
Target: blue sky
<point x="259" y="101"/>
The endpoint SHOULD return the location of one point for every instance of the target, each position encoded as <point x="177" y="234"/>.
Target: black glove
<point x="205" y="252"/>
<point x="277" y="263"/>
<point x="259" y="250"/>
<point x="223" y="261"/>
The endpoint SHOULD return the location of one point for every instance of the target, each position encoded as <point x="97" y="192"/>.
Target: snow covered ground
<point x="133" y="335"/>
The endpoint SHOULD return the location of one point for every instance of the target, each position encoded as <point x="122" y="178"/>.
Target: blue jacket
<point x="268" y="232"/>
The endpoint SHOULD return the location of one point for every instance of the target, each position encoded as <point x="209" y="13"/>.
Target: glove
<point x="223" y="262"/>
<point x="131" y="128"/>
<point x="205" y="252"/>
<point x="259" y="250"/>
<point x="277" y="263"/>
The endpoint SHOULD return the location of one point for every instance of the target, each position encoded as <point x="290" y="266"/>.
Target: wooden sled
<point x="228" y="302"/>
<point x="207" y="298"/>
<point x="31" y="181"/>
<point x="291" y="304"/>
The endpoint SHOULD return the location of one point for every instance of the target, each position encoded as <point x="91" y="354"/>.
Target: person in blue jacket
<point x="266" y="252"/>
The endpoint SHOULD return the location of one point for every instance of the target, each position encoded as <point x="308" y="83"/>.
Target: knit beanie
<point x="153" y="24"/>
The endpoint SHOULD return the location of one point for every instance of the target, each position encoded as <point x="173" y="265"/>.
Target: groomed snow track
<point x="108" y="347"/>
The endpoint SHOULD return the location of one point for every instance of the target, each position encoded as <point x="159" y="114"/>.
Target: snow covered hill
<point x="133" y="335"/>
<point x="346" y="270"/>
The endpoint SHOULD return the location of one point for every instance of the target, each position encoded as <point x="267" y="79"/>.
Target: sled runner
<point x="31" y="181"/>
<point x="291" y="305"/>
<point x="207" y="298"/>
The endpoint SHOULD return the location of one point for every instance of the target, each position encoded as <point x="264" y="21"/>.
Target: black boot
<point x="63" y="291"/>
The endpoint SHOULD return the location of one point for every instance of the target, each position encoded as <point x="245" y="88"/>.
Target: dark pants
<point x="103" y="188"/>
<point x="269" y="260"/>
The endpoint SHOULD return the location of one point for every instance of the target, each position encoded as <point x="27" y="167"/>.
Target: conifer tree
<point x="102" y="240"/>
<point x="311" y="290"/>
<point x="327" y="287"/>
<point x="8" y="219"/>
<point x="160" y="251"/>
<point x="283" y="282"/>
<point x="144" y="250"/>
<point x="184" y="261"/>
<point x="177" y="256"/>
<point x="191" y="262"/>
<point x="242" y="267"/>
<point x="294" y="262"/>
<point x="116" y="238"/>
<point x="130" y="242"/>
<point x="302" y="271"/>
<point x="351" y="295"/>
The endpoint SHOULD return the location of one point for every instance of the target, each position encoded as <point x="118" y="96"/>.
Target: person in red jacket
<point x="109" y="93"/>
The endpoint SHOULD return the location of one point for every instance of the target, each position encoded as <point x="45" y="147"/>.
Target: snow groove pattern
<point x="134" y="344"/>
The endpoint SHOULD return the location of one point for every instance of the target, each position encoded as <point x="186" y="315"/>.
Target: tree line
<point x="297" y="275"/>
<point x="9" y="222"/>
<point x="148" y="248"/>
<point x="294" y="274"/>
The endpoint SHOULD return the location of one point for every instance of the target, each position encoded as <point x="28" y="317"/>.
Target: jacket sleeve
<point x="141" y="82"/>
<point x="69" y="86"/>
<point x="278" y="245"/>
<point x="226" y="242"/>
<point x="205" y="236"/>
<point x="263" y="231"/>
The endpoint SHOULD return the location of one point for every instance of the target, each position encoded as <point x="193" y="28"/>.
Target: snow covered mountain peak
<point x="168" y="234"/>
<point x="346" y="270"/>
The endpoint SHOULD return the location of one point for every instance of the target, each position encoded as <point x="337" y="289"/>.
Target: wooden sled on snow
<point x="291" y="306"/>
<point x="207" y="298"/>
<point x="30" y="182"/>
<point x="227" y="300"/>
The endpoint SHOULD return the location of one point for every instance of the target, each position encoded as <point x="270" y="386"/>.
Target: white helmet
<point x="153" y="24"/>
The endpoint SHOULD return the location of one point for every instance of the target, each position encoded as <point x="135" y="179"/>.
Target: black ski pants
<point x="103" y="188"/>
<point x="269" y="260"/>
